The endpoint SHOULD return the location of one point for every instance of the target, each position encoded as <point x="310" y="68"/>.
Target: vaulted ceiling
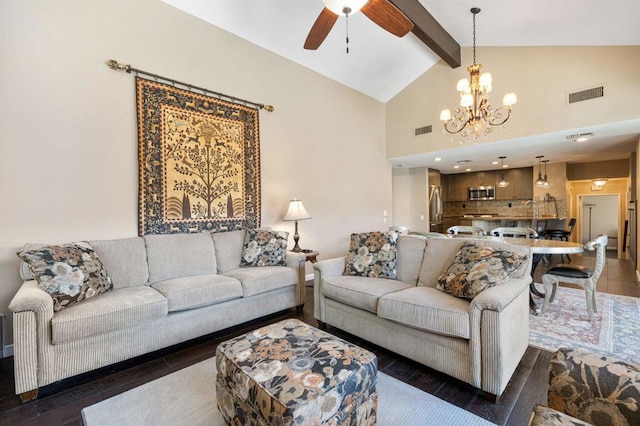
<point x="381" y="65"/>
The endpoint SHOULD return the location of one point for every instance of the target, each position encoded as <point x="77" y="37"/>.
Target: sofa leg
<point x="28" y="395"/>
<point x="491" y="397"/>
<point x="322" y="325"/>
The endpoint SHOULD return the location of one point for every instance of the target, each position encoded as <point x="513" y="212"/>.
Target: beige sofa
<point x="479" y="342"/>
<point x="166" y="289"/>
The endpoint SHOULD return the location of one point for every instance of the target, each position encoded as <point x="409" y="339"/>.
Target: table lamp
<point x="296" y="212"/>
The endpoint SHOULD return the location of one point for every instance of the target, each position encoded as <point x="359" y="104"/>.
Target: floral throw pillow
<point x="476" y="267"/>
<point x="264" y="248"/>
<point x="70" y="273"/>
<point x="372" y="254"/>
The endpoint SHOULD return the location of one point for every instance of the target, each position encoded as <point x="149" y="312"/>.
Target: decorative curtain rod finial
<point x="115" y="65"/>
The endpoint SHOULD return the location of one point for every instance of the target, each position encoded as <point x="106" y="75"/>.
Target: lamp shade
<point x="296" y="211"/>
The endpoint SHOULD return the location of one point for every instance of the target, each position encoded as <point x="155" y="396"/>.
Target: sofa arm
<point x="32" y="311"/>
<point x="321" y="270"/>
<point x="329" y="267"/>
<point x="32" y="298"/>
<point x="295" y="259"/>
<point x="298" y="261"/>
<point x="590" y="387"/>
<point x="498" y="297"/>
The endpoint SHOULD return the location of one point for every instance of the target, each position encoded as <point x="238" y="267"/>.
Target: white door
<point x="600" y="216"/>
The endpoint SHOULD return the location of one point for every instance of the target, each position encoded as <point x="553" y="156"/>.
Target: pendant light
<point x="539" y="181"/>
<point x="546" y="183"/>
<point x="502" y="183"/>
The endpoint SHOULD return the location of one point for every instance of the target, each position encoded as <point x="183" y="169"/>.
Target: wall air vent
<point x="586" y="94"/>
<point x="580" y="137"/>
<point x="422" y="130"/>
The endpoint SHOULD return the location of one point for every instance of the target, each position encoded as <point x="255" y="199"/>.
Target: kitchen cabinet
<point x="520" y="184"/>
<point x="455" y="186"/>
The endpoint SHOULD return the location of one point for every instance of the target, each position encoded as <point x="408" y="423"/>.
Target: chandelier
<point x="475" y="117"/>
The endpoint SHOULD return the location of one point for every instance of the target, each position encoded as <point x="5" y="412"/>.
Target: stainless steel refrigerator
<point x="435" y="208"/>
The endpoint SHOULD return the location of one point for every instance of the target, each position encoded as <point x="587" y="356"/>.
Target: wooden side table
<point x="312" y="256"/>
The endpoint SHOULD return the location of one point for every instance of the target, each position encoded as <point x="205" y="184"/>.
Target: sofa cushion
<point x="372" y="254"/>
<point x="360" y="292"/>
<point x="410" y="255"/>
<point x="179" y="255"/>
<point x="115" y="310"/>
<point x="199" y="290"/>
<point x="228" y="246"/>
<point x="125" y="259"/>
<point x="263" y="279"/>
<point x="264" y="247"/>
<point x="69" y="273"/>
<point x="477" y="267"/>
<point x="426" y="308"/>
<point x="439" y="252"/>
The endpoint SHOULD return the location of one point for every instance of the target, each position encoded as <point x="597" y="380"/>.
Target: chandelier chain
<point x="474" y="38"/>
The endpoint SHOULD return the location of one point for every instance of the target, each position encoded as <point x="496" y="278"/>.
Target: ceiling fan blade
<point x="388" y="17"/>
<point x="320" y="29"/>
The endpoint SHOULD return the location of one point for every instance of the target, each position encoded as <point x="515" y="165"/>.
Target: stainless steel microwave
<point x="481" y="193"/>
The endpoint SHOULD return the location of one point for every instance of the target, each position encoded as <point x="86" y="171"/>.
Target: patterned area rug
<point x="616" y="332"/>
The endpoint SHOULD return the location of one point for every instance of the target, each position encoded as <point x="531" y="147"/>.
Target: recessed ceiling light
<point x="494" y="162"/>
<point x="468" y="170"/>
<point x="456" y="167"/>
<point x="437" y="159"/>
<point x="504" y="166"/>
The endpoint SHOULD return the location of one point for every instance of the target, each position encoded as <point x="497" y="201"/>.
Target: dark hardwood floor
<point x="60" y="403"/>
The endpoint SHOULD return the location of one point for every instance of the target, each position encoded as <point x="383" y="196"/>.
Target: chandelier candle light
<point x="475" y="117"/>
<point x="296" y="212"/>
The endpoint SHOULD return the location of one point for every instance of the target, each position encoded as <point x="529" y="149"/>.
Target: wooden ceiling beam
<point x="430" y="32"/>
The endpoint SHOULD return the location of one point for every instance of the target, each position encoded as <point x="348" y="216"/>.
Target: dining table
<point x="539" y="248"/>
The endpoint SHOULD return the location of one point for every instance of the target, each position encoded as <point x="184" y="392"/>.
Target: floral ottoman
<point x="292" y="373"/>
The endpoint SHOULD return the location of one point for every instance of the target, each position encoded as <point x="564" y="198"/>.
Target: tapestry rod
<point x="115" y="65"/>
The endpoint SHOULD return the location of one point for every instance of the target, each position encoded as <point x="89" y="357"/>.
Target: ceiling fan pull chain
<point x="347" y="32"/>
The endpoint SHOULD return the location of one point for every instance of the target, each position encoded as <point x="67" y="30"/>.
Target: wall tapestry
<point x="199" y="161"/>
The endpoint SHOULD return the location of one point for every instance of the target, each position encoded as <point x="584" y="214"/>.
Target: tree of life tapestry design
<point x="199" y="162"/>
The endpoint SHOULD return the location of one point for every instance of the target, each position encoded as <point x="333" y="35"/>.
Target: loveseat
<point x="479" y="341"/>
<point x="166" y="289"/>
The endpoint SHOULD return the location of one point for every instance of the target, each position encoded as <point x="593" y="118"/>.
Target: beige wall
<point x="410" y="198"/>
<point x="68" y="149"/>
<point x="541" y="78"/>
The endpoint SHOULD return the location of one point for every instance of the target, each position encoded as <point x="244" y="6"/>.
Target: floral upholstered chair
<point x="590" y="389"/>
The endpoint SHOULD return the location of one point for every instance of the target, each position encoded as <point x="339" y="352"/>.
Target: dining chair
<point x="471" y="230"/>
<point x="506" y="231"/>
<point x="576" y="274"/>
<point x="561" y="234"/>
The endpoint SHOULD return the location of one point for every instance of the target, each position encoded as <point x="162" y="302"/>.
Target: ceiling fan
<point x="383" y="13"/>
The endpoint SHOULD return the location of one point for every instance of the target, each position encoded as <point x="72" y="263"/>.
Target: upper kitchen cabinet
<point x="520" y="184"/>
<point x="487" y="178"/>
<point x="434" y="177"/>
<point x="455" y="186"/>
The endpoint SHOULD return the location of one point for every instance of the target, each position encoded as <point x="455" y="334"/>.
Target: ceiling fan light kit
<point x="475" y="117"/>
<point x="381" y="12"/>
